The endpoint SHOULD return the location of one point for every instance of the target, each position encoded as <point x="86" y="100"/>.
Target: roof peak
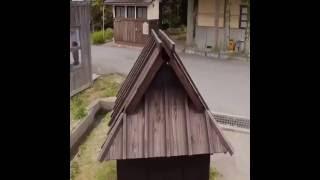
<point x="135" y="102"/>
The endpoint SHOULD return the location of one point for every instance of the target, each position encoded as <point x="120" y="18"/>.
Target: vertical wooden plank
<point x="181" y="122"/>
<point x="146" y="119"/>
<point x="209" y="133"/>
<point x="150" y="127"/>
<point x="186" y="105"/>
<point x="173" y="116"/>
<point x="199" y="132"/>
<point x="156" y="115"/>
<point x="140" y="128"/>
<point x="124" y="137"/>
<point x="167" y="121"/>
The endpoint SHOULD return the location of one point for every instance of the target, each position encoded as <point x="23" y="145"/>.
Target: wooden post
<point x="190" y="22"/>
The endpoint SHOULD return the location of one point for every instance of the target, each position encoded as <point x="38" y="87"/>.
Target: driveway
<point x="224" y="84"/>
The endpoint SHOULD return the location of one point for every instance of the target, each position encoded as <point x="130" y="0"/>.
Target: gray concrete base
<point x="85" y="126"/>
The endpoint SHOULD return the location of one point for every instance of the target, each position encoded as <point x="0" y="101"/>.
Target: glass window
<point x="142" y="12"/>
<point x="120" y="11"/>
<point x="243" y="16"/>
<point x="130" y="11"/>
<point x="75" y="48"/>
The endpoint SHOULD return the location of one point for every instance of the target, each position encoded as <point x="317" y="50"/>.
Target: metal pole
<point x="103" y="20"/>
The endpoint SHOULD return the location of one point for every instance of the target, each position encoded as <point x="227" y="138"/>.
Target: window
<point x="75" y="47"/>
<point x="130" y="12"/>
<point x="142" y="12"/>
<point x="120" y="11"/>
<point x="243" y="17"/>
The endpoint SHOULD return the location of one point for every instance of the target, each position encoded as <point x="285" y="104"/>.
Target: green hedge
<point x="97" y="37"/>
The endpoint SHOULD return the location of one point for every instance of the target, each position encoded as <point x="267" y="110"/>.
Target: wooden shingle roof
<point x="159" y="112"/>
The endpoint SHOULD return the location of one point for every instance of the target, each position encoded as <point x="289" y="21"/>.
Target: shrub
<point x="108" y="33"/>
<point x="98" y="38"/>
<point x="214" y="174"/>
<point x="78" y="109"/>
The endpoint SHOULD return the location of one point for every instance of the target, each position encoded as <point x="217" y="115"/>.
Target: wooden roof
<point x="159" y="112"/>
<point x="128" y="2"/>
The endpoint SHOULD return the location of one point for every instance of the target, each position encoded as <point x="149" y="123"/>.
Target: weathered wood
<point x="131" y="78"/>
<point x="81" y="75"/>
<point x="130" y="31"/>
<point x="144" y="80"/>
<point x="167" y="121"/>
<point x="182" y="67"/>
<point x="169" y="42"/>
<point x="124" y="136"/>
<point x="209" y="133"/>
<point x="186" y="105"/>
<point x="146" y="127"/>
<point x="184" y="81"/>
<point x="155" y="36"/>
<point x="226" y="144"/>
<point x="166" y="115"/>
<point x="107" y="144"/>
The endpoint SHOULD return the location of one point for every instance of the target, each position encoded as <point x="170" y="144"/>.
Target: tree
<point x="96" y="15"/>
<point x="173" y="13"/>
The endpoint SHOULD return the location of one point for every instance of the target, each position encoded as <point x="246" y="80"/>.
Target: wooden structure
<point x="133" y="20"/>
<point x="161" y="128"/>
<point x="80" y="52"/>
<point x="212" y="24"/>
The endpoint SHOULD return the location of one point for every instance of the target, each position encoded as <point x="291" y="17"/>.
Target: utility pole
<point x="103" y="20"/>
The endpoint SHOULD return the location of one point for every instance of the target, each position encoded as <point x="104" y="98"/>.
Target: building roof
<point x="159" y="112"/>
<point x="128" y="2"/>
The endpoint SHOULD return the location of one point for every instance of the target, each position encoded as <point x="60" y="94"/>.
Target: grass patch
<point x="104" y="86"/>
<point x="98" y="38"/>
<point x="85" y="165"/>
<point x="214" y="174"/>
<point x="78" y="109"/>
<point x="178" y="33"/>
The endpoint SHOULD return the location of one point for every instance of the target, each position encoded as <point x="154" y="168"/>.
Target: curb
<point x="79" y="132"/>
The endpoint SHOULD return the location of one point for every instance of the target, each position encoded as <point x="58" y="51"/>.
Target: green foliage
<point x="182" y="29"/>
<point x="173" y="13"/>
<point x="74" y="169"/>
<point x="85" y="165"/>
<point x="98" y="37"/>
<point x="214" y="174"/>
<point x="78" y="108"/>
<point x="107" y="87"/>
<point x="96" y="15"/>
<point x="104" y="86"/>
<point x="108" y="34"/>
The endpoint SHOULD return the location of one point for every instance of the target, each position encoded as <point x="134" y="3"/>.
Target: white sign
<point x="145" y="28"/>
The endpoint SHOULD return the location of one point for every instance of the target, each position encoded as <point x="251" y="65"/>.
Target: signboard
<point x="145" y="28"/>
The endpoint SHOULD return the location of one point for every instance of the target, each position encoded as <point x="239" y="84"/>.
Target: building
<point x="161" y="127"/>
<point x="218" y="25"/>
<point x="80" y="52"/>
<point x="133" y="20"/>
